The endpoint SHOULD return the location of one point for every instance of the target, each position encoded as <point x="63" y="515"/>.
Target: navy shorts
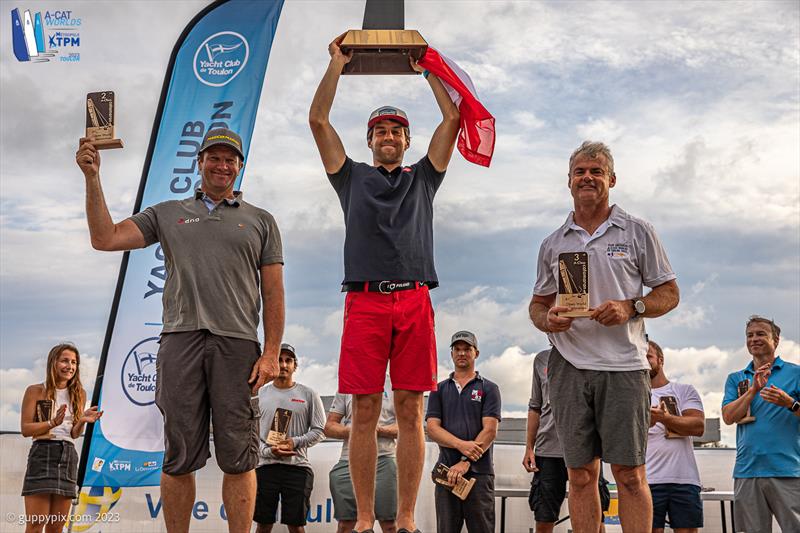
<point x="681" y="502"/>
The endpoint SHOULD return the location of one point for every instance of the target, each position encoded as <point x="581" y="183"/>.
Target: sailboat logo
<point x="27" y="35"/>
<point x="139" y="374"/>
<point x="220" y="58"/>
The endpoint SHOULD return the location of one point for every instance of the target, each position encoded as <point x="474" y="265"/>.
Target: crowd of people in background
<point x="599" y="394"/>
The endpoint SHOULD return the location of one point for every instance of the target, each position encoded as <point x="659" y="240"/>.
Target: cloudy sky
<point x="698" y="101"/>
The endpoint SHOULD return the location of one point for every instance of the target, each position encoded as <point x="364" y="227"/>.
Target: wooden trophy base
<point x="578" y="304"/>
<point x="274" y="438"/>
<point x="576" y="313"/>
<point x="382" y="51"/>
<point x="108" y="144"/>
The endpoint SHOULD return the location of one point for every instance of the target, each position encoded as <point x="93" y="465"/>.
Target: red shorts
<point x="395" y="328"/>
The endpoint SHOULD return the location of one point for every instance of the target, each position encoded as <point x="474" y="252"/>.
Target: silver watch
<point x="638" y="307"/>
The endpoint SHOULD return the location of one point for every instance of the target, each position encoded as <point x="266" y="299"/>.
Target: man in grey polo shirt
<point x="605" y="355"/>
<point x="223" y="258"/>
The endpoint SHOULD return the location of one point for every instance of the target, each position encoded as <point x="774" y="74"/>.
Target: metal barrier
<point x="713" y="496"/>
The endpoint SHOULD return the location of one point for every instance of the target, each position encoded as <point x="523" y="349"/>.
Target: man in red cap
<point x="388" y="271"/>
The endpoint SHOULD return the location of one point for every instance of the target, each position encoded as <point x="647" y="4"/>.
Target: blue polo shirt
<point x="770" y="446"/>
<point x="388" y="219"/>
<point x="461" y="414"/>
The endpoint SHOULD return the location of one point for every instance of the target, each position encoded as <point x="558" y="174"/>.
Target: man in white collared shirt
<point x="604" y="356"/>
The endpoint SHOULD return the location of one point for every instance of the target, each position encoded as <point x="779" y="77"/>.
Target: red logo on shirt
<point x="298" y="400"/>
<point x="188" y="220"/>
<point x="477" y="395"/>
<point x="406" y="169"/>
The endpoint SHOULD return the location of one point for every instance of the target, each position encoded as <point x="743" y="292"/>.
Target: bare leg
<point x="410" y="454"/>
<point x="59" y="509"/>
<point x="635" y="502"/>
<point x="545" y="527"/>
<point x="296" y="529"/>
<point x="366" y="411"/>
<point x="584" y="499"/>
<point x="263" y="528"/>
<point x="37" y="506"/>
<point x="239" y="497"/>
<point x="177" y="495"/>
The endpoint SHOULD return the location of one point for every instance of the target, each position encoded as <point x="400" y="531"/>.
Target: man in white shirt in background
<point x="671" y="467"/>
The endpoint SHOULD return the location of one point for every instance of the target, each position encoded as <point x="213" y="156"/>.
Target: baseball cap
<point x="224" y="137"/>
<point x="466" y="336"/>
<point x="290" y="349"/>
<point x="388" y="113"/>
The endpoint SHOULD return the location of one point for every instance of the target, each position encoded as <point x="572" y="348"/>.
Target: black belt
<point x="383" y="287"/>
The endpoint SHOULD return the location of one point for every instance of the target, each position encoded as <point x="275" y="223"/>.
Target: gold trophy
<point x="460" y="489"/>
<point x="573" y="284"/>
<point x="100" y="120"/>
<point x="382" y="46"/>
<point x="741" y="389"/>
<point x="279" y="427"/>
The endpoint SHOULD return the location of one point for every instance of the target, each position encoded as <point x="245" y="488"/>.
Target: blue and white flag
<point x="214" y="79"/>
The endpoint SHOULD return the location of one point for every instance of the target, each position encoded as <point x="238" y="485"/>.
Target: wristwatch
<point x="638" y="307"/>
<point x="795" y="407"/>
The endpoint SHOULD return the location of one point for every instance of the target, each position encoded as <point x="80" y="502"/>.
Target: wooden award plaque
<point x="741" y="388"/>
<point x="279" y="427"/>
<point x="43" y="413"/>
<point x="460" y="489"/>
<point x="100" y="120"/>
<point x="670" y="403"/>
<point x="573" y="284"/>
<point x="382" y="51"/>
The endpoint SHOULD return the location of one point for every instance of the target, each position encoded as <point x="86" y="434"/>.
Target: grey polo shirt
<point x="625" y="255"/>
<point x="547" y="443"/>
<point x="343" y="405"/>
<point x="212" y="262"/>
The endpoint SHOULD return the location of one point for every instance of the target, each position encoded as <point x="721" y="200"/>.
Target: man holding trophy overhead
<point x="388" y="259"/>
<point x="603" y="351"/>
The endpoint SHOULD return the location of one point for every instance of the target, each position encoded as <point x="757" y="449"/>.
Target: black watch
<point x="638" y="307"/>
<point x="795" y="407"/>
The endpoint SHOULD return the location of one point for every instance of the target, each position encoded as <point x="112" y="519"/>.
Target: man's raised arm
<point x="328" y="142"/>
<point x="105" y="235"/>
<point x="444" y="138"/>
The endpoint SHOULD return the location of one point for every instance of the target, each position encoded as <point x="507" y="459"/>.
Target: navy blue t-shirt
<point x="462" y="413"/>
<point x="388" y="219"/>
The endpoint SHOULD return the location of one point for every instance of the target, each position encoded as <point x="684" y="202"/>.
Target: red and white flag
<point x="476" y="136"/>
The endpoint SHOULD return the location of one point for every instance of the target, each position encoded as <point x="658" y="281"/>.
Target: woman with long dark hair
<point x="53" y="414"/>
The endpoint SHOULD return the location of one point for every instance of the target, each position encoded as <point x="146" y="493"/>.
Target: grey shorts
<point x="202" y="378"/>
<point x="344" y="501"/>
<point x="758" y="499"/>
<point x="599" y="413"/>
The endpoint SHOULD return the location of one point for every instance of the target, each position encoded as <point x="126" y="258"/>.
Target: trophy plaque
<point x="279" y="427"/>
<point x="382" y="51"/>
<point x="460" y="489"/>
<point x="100" y="120"/>
<point x="573" y="284"/>
<point x="670" y="403"/>
<point x="741" y="389"/>
<point x="44" y="411"/>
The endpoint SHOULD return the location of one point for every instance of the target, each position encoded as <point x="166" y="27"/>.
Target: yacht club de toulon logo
<point x="220" y="58"/>
<point x="39" y="37"/>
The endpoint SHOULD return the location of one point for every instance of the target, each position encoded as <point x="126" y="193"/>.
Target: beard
<point x="654" y="372"/>
<point x="391" y="158"/>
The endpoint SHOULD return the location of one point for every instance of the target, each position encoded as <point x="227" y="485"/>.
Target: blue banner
<point x="214" y="80"/>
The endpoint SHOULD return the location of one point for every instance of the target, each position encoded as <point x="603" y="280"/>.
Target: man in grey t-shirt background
<point x="543" y="455"/>
<point x="223" y="258"/>
<point x="284" y="472"/>
<point x="603" y="355"/>
<point x="340" y="416"/>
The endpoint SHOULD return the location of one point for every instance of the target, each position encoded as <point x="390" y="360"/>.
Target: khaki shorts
<point x="344" y="500"/>
<point x="599" y="413"/>
<point x="202" y="378"/>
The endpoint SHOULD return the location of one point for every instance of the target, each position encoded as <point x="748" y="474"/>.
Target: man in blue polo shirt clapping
<point x="767" y="471"/>
<point x="463" y="415"/>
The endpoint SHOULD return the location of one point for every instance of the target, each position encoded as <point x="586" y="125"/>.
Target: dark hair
<point x="776" y="330"/>
<point x="657" y="348"/>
